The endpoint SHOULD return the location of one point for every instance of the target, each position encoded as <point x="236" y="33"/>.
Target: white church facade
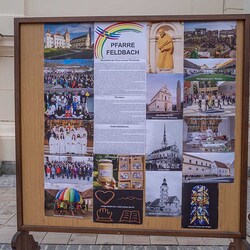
<point x="165" y="205"/>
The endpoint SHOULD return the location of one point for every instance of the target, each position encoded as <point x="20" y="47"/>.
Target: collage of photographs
<point x="68" y="118"/>
<point x="164" y="124"/>
<point x="190" y="104"/>
<point x="209" y="118"/>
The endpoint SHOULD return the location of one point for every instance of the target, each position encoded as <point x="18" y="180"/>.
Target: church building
<point x="165" y="158"/>
<point x="57" y="40"/>
<point x="165" y="205"/>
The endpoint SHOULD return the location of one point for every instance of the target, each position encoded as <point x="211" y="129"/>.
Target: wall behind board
<point x="9" y="9"/>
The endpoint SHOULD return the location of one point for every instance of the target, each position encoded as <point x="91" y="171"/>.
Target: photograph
<point x="124" y="185"/>
<point x="164" y="141"/>
<point x="137" y="184"/>
<point x="210" y="69"/>
<point x="65" y="74"/>
<point x="68" y="41"/>
<point x="164" y="96"/>
<point x="165" y="45"/>
<point x="200" y="205"/>
<point x="209" y="97"/>
<point x="137" y="175"/>
<point x="68" y="186"/>
<point x="124" y="176"/>
<point x="210" y="39"/>
<point x="64" y="170"/>
<point x="163" y="193"/>
<point x="115" y="171"/>
<point x="208" y="167"/>
<point x="69" y="104"/>
<point x="72" y="137"/>
<point x="209" y="134"/>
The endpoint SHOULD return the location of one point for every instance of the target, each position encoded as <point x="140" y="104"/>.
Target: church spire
<point x="164" y="142"/>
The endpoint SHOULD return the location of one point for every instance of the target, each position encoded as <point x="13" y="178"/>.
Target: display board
<point x="132" y="125"/>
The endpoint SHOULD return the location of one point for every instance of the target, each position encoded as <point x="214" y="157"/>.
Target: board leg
<point x="239" y="244"/>
<point x="24" y="241"/>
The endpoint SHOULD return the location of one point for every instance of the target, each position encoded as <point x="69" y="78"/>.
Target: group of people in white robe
<point x="68" y="140"/>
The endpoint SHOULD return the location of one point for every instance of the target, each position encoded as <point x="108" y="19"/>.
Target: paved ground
<point x="66" y="241"/>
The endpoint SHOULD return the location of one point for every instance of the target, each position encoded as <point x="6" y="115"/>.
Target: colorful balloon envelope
<point x="70" y="195"/>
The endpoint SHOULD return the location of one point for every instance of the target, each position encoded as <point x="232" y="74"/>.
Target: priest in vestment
<point x="166" y="49"/>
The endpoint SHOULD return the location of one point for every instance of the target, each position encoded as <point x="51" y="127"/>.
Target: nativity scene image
<point x="165" y="201"/>
<point x="165" y="47"/>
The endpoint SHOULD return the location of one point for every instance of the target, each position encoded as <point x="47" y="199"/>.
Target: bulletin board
<point x="30" y="127"/>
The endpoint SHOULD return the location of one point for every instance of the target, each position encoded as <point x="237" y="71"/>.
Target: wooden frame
<point x="23" y="65"/>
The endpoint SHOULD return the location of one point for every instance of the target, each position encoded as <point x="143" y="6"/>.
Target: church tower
<point x="67" y="39"/>
<point x="178" y="96"/>
<point x="163" y="193"/>
<point x="88" y="39"/>
<point x="48" y="39"/>
<point x="164" y="141"/>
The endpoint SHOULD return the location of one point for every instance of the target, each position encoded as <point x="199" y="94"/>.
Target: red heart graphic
<point x="104" y="196"/>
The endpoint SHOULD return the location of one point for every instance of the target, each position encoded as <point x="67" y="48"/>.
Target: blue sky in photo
<point x="74" y="29"/>
<point x="81" y="62"/>
<point x="156" y="81"/>
<point x="224" y="25"/>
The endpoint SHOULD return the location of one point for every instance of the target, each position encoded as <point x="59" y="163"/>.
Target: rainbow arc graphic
<point x="113" y="32"/>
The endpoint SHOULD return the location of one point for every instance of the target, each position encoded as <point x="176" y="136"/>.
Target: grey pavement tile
<point x="150" y="247"/>
<point x="160" y="248"/>
<point x="190" y="241"/>
<point x="108" y="239"/>
<point x="56" y="238"/>
<point x="136" y="240"/>
<point x="3" y="204"/>
<point x="7" y="212"/>
<point x="87" y="239"/>
<point x="95" y="247"/>
<point x="3" y="190"/>
<point x="217" y="241"/>
<point x="128" y="248"/>
<point x="163" y="240"/>
<point x="6" y="247"/>
<point x="12" y="221"/>
<point x="188" y="248"/>
<point x="6" y="234"/>
<point x="51" y="247"/>
<point x="139" y="247"/>
<point x="77" y="247"/>
<point x="7" y="197"/>
<point x="38" y="236"/>
<point x="62" y="247"/>
<point x="118" y="247"/>
<point x="105" y="247"/>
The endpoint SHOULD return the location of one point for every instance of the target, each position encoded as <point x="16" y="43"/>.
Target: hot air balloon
<point x="70" y="195"/>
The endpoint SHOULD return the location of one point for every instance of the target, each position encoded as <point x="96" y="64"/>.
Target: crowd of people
<point x="69" y="170"/>
<point x="68" y="78"/>
<point x="210" y="100"/>
<point x="67" y="140"/>
<point x="67" y="105"/>
<point x="70" y="208"/>
<point x="218" y="46"/>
